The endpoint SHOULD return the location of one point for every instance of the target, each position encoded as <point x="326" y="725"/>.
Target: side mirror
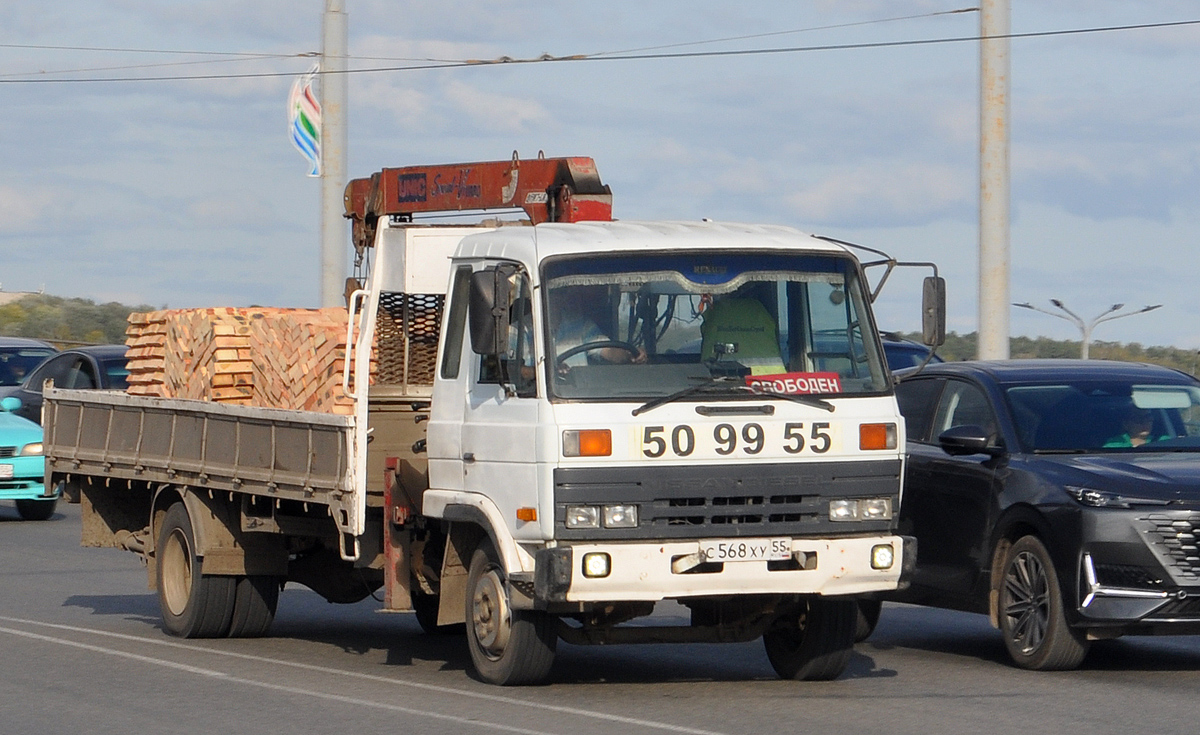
<point x="488" y="311"/>
<point x="968" y="439"/>
<point x="10" y="403"/>
<point x="933" y="311"/>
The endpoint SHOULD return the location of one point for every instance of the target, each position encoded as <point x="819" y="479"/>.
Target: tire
<point x="254" y="601"/>
<point x="36" y="510"/>
<point x="193" y="604"/>
<point x="426" y="608"/>
<point x="868" y="618"/>
<point x="1032" y="618"/>
<point x="508" y="647"/>
<point x="816" y="642"/>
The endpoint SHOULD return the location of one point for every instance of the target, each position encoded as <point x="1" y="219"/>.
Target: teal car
<point x="22" y="464"/>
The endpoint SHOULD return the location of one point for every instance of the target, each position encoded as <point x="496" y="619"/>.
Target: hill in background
<point x="66" y="321"/>
<point x="962" y="347"/>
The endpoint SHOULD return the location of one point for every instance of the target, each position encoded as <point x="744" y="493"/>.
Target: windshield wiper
<point x="733" y="387"/>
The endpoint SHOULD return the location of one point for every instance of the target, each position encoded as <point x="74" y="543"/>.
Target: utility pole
<point x="994" y="29"/>
<point x="333" y="152"/>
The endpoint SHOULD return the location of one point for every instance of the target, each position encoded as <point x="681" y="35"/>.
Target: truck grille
<point x="1175" y="536"/>
<point x="726" y="500"/>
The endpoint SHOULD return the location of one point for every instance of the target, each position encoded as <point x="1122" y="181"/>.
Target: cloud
<point x="493" y="111"/>
<point x="22" y="209"/>
<point x="896" y="193"/>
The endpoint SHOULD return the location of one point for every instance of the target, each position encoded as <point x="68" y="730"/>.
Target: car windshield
<point x="17" y="362"/>
<point x="1104" y="416"/>
<point x="651" y="325"/>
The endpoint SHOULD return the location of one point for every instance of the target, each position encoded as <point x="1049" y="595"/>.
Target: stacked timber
<point x="277" y="358"/>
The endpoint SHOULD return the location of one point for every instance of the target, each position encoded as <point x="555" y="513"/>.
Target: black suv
<point x="1059" y="497"/>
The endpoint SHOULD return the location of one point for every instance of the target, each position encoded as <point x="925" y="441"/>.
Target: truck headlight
<point x="861" y="509"/>
<point x="583" y="516"/>
<point x="32" y="450"/>
<point x="620" y="516"/>
<point x="843" y="510"/>
<point x="875" y="509"/>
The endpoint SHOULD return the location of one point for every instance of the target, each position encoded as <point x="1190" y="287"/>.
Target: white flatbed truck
<point x="568" y="421"/>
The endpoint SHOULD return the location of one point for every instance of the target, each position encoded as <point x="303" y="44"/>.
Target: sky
<point x="185" y="193"/>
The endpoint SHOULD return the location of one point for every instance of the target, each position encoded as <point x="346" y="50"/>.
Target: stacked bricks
<point x="277" y="358"/>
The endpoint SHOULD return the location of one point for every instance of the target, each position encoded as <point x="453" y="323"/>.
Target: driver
<point x="1137" y="425"/>
<point x="573" y="327"/>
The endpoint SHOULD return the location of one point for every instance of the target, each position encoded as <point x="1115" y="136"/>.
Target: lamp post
<point x="1086" y="327"/>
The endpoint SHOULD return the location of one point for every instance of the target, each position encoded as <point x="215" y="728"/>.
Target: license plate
<point x="6" y="472"/>
<point x="746" y="549"/>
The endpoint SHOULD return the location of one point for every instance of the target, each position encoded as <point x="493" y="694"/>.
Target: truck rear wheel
<point x="193" y="604"/>
<point x="816" y="642"/>
<point x="508" y="647"/>
<point x="254" y="601"/>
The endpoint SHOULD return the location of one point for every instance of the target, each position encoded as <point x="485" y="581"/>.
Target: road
<point x="81" y="651"/>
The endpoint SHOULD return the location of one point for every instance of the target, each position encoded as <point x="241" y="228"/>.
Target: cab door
<point x="499" y="445"/>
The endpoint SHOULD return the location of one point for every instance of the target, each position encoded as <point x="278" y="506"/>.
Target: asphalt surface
<point x="82" y="651"/>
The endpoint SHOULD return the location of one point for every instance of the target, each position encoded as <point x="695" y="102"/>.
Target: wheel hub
<point x="176" y="561"/>
<point x="491" y="617"/>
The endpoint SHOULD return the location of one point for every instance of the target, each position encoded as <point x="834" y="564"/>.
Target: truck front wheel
<point x="815" y="642"/>
<point x="193" y="604"/>
<point x="508" y="647"/>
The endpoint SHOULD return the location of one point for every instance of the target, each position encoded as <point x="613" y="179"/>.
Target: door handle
<point x="468" y="456"/>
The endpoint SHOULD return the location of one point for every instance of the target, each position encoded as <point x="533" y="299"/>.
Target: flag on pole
<point x="304" y="120"/>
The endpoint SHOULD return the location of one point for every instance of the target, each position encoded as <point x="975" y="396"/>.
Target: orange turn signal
<point x="876" y="436"/>
<point x="587" y="443"/>
<point x="528" y="515"/>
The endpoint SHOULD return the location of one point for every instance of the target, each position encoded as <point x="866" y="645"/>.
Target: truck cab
<point x="623" y="413"/>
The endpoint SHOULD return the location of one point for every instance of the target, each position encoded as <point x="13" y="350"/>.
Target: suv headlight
<point x="1104" y="499"/>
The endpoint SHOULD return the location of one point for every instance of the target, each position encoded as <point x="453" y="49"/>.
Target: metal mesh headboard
<point x="406" y="334"/>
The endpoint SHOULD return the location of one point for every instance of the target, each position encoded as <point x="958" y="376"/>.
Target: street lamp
<point x="1086" y="327"/>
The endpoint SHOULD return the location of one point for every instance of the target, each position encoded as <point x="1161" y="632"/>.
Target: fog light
<point x="583" y="516"/>
<point x="597" y="564"/>
<point x="875" y="509"/>
<point x="882" y="556"/>
<point x="843" y="510"/>
<point x="620" y="516"/>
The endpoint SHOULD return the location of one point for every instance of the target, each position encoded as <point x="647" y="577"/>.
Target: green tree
<point x="66" y="321"/>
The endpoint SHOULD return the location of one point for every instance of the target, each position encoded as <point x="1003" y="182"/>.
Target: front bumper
<point x="27" y="480"/>
<point x="1140" y="569"/>
<point x="672" y="570"/>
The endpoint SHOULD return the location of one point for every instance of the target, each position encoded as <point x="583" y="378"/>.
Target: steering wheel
<point x="598" y="345"/>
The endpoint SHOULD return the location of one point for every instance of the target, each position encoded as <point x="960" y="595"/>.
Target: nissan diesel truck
<point x="558" y="423"/>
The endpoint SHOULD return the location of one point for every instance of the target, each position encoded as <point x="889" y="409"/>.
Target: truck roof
<point x="532" y="244"/>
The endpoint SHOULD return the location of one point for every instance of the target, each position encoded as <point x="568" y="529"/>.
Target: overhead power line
<point x="248" y="56"/>
<point x="547" y="58"/>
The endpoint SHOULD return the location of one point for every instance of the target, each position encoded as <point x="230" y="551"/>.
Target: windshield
<point x="16" y="363"/>
<point x="1106" y="416"/>
<point x="649" y="325"/>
